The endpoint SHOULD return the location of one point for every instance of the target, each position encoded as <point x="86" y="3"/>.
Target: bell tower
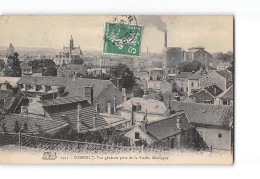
<point x="71" y="43"/>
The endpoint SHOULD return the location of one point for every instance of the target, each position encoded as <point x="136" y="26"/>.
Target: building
<point x="10" y="50"/>
<point x="26" y="69"/>
<point x="213" y="124"/>
<point x="198" y="54"/>
<point x="203" y="78"/>
<point x="181" y="80"/>
<point x="226" y="98"/>
<point x="223" y="66"/>
<point x="207" y="95"/>
<point x="173" y="132"/>
<point x="135" y="109"/>
<point x="99" y="92"/>
<point x="68" y="54"/>
<point x="172" y="56"/>
<point x="70" y="70"/>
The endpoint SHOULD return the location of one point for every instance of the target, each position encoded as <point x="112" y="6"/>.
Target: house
<point x="181" y="80"/>
<point x="105" y="94"/>
<point x="31" y="124"/>
<point x="213" y="124"/>
<point x="206" y="95"/>
<point x="172" y="132"/>
<point x="104" y="91"/>
<point x="76" y="111"/>
<point x="11" y="97"/>
<point x="203" y="78"/>
<point x="70" y="70"/>
<point x="226" y="98"/>
<point x="135" y="109"/>
<point x="26" y="68"/>
<point x="223" y="66"/>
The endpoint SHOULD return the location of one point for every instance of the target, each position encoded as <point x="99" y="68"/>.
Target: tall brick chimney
<point x="89" y="94"/>
<point x="165" y="39"/>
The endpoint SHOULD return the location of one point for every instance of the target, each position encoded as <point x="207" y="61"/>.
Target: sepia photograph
<point x="117" y="89"/>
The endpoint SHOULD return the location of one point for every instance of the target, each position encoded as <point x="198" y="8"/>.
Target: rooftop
<point x="227" y="94"/>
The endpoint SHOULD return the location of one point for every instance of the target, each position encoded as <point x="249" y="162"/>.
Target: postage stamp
<point x="122" y="39"/>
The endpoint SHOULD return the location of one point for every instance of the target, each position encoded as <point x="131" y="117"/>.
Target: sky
<point x="215" y="33"/>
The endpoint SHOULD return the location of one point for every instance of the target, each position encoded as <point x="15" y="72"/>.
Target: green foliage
<point x="224" y="57"/>
<point x="122" y="71"/>
<point x="39" y="65"/>
<point x="190" y="66"/>
<point x="2" y="64"/>
<point x="50" y="71"/>
<point x="13" y="68"/>
<point x="137" y="91"/>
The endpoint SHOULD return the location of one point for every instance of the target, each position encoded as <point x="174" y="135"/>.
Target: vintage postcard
<point x="116" y="89"/>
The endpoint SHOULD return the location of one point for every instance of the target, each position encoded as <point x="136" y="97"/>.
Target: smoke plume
<point x="152" y="20"/>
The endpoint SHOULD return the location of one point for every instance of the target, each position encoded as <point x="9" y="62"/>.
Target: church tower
<point x="71" y="43"/>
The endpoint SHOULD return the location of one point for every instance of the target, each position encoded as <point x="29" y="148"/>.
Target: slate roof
<point x="227" y="94"/>
<point x="167" y="127"/>
<point x="207" y="114"/>
<point x="68" y="106"/>
<point x="211" y="90"/>
<point x="45" y="80"/>
<point x="225" y="73"/>
<point x="77" y="87"/>
<point x="33" y="122"/>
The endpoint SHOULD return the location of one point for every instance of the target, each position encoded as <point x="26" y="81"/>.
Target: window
<point x="220" y="135"/>
<point x="192" y="83"/>
<point x="186" y="89"/>
<point x="137" y="135"/>
<point x="198" y="85"/>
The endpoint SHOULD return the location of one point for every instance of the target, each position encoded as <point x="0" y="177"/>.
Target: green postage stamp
<point x="123" y="39"/>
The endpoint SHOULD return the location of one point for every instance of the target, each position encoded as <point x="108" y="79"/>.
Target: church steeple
<point x="71" y="43"/>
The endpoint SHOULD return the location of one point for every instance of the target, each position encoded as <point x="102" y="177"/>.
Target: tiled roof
<point x="205" y="113"/>
<point x="202" y="95"/>
<point x="11" y="80"/>
<point x="32" y="122"/>
<point x="167" y="127"/>
<point x="60" y="101"/>
<point x="183" y="75"/>
<point x="227" y="94"/>
<point x="225" y="73"/>
<point x="152" y="106"/>
<point x="211" y="90"/>
<point x="70" y="110"/>
<point x="77" y="87"/>
<point x="45" y="80"/>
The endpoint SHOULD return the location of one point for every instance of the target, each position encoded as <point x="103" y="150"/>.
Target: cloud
<point x="152" y="20"/>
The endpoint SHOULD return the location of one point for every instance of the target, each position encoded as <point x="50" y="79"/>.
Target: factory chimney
<point x="165" y="38"/>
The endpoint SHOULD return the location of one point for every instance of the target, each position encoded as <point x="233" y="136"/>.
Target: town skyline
<point x="183" y="31"/>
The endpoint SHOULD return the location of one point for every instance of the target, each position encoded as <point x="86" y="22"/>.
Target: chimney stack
<point x="115" y="105"/>
<point x="165" y="38"/>
<point x="78" y="117"/>
<point x="178" y="122"/>
<point x="89" y="94"/>
<point x="97" y="107"/>
<point x="124" y="94"/>
<point x="109" y="108"/>
<point x="144" y="122"/>
<point x="94" y="121"/>
<point x="132" y="120"/>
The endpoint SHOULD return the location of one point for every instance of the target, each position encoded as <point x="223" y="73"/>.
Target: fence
<point x="13" y="141"/>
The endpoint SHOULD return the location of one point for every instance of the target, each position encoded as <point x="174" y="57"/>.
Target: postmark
<point x="122" y="38"/>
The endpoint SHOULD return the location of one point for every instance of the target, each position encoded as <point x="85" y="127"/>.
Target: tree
<point x="137" y="91"/>
<point x="50" y="71"/>
<point x="190" y="66"/>
<point x="2" y="64"/>
<point x="13" y="68"/>
<point x="122" y="71"/>
<point x="78" y="61"/>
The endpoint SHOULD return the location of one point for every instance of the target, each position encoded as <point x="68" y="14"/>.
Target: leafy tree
<point x="50" y="71"/>
<point x="78" y="61"/>
<point x="39" y="65"/>
<point x="190" y="66"/>
<point x="2" y="64"/>
<point x="13" y="68"/>
<point x="137" y="91"/>
<point x="122" y="71"/>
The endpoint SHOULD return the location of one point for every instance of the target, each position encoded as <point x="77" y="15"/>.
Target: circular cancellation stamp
<point x="122" y="36"/>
